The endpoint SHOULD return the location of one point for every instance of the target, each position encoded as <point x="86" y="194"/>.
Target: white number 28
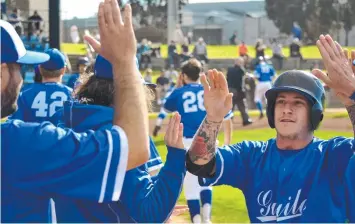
<point x="193" y="102"/>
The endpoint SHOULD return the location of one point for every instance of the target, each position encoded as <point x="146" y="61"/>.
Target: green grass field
<point x="228" y="203"/>
<point x="214" y="51"/>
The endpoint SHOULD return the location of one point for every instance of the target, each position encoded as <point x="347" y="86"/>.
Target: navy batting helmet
<point x="301" y="82"/>
<point x="83" y="61"/>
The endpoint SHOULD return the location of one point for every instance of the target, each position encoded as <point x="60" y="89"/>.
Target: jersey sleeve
<point x="50" y="160"/>
<point x="154" y="163"/>
<point x="171" y="101"/>
<point x="350" y="190"/>
<point x="154" y="201"/>
<point x="231" y="165"/>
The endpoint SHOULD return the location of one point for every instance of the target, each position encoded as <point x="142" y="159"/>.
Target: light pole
<point x="340" y="4"/>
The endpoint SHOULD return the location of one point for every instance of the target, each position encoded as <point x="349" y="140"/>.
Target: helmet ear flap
<point x="270" y="112"/>
<point x="316" y="117"/>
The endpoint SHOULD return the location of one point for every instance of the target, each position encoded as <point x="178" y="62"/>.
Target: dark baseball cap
<point x="103" y="69"/>
<point x="13" y="50"/>
<point x="56" y="60"/>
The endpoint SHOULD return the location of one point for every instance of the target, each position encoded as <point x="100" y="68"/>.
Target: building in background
<point x="216" y="22"/>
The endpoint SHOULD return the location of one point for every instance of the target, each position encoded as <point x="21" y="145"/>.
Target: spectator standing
<point x="295" y="52"/>
<point x="277" y="54"/>
<point x="235" y="79"/>
<point x="35" y="21"/>
<point x="200" y="50"/>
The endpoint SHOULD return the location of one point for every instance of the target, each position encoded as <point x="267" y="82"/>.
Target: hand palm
<point x="217" y="99"/>
<point x="214" y="102"/>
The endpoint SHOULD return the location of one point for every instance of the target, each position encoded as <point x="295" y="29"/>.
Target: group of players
<point x="85" y="155"/>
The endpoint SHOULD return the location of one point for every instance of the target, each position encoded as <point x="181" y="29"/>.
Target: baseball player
<point x="264" y="73"/>
<point x="39" y="161"/>
<point x="39" y="101"/>
<point x="294" y="177"/>
<point x="188" y="101"/>
<point x="73" y="80"/>
<point x="162" y="113"/>
<point x="144" y="198"/>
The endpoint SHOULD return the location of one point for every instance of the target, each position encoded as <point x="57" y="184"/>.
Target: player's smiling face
<point x="291" y="114"/>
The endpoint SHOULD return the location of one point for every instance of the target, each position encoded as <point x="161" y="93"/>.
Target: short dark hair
<point x="192" y="69"/>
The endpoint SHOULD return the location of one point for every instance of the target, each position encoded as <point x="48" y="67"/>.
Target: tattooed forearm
<point x="203" y="147"/>
<point x="351" y="112"/>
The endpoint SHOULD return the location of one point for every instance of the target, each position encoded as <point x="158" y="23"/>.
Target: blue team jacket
<point x="142" y="199"/>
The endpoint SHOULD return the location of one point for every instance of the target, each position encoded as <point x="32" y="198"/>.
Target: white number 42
<point x="39" y="103"/>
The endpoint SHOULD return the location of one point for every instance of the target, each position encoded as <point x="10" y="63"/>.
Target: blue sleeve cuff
<point x="175" y="159"/>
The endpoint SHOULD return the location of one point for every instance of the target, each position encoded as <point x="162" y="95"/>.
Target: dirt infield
<point x="334" y="124"/>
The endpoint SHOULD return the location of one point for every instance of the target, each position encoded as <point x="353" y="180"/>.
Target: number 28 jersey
<point x="188" y="101"/>
<point x="38" y="102"/>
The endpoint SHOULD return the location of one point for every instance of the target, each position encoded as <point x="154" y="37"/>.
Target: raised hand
<point x="217" y="99"/>
<point x="340" y="70"/>
<point x="118" y="42"/>
<point x="173" y="135"/>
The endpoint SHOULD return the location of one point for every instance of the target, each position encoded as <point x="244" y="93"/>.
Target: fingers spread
<point x="93" y="43"/>
<point x="322" y="76"/>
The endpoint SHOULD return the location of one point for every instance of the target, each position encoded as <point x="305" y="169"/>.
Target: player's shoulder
<point x="65" y="87"/>
<point x="255" y="146"/>
<point x="332" y="143"/>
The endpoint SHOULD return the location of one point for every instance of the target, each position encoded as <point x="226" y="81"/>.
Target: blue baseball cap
<point x="103" y="69"/>
<point x="13" y="50"/>
<point x="56" y="60"/>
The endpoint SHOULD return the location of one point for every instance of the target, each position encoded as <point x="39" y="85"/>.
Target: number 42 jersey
<point x="38" y="102"/>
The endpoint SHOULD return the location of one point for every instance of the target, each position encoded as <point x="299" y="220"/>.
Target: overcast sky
<point x="71" y="8"/>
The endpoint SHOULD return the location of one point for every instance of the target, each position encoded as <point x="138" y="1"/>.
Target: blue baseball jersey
<point x="41" y="161"/>
<point x="70" y="80"/>
<point x="38" y="102"/>
<point x="264" y="72"/>
<point x="143" y="198"/>
<point x="188" y="101"/>
<point x="350" y="190"/>
<point x="306" y="185"/>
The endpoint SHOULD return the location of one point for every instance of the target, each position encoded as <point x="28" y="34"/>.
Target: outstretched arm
<point x="340" y="72"/>
<point x="217" y="101"/>
<point x="155" y="203"/>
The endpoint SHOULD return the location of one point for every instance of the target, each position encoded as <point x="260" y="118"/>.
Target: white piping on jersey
<point x="107" y="167"/>
<point x="156" y="167"/>
<point x="222" y="168"/>
<point x="122" y="165"/>
<point x="113" y="211"/>
<point x="157" y="158"/>
<point x="53" y="212"/>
